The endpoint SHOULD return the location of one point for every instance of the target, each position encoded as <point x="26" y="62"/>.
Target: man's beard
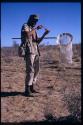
<point x="33" y="24"/>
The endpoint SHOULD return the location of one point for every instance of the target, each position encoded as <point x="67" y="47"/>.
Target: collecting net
<point x="65" y="42"/>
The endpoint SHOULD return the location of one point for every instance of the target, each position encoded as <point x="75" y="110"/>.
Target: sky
<point x="56" y="17"/>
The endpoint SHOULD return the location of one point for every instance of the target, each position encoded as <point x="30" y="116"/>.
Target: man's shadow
<point x="6" y="94"/>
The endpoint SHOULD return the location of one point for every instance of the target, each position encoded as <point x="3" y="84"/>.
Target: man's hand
<point x="39" y="27"/>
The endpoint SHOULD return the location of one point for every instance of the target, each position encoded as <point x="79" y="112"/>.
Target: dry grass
<point x="59" y="89"/>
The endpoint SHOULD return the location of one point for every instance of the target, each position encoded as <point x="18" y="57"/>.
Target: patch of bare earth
<point x="59" y="89"/>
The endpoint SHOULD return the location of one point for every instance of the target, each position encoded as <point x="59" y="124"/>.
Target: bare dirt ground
<point x="59" y="89"/>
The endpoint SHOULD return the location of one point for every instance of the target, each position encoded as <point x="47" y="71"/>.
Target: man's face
<point x="33" y="22"/>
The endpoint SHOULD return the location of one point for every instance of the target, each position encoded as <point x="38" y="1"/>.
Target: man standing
<point x="30" y="40"/>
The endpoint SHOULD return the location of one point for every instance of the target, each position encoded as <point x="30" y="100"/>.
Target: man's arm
<point x="42" y="37"/>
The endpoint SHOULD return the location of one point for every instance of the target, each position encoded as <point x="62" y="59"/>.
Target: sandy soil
<point x="59" y="88"/>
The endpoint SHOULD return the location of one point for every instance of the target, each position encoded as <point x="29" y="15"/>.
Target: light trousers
<point x="32" y="69"/>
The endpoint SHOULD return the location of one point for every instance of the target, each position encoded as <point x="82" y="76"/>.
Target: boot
<point x="28" y="92"/>
<point x="32" y="89"/>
